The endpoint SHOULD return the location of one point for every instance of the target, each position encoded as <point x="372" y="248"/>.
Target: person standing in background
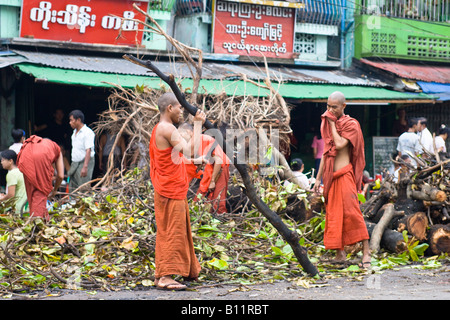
<point x="409" y="140"/>
<point x="83" y="152"/>
<point x="18" y="136"/>
<point x="15" y="184"/>
<point x="317" y="146"/>
<point x="425" y="136"/>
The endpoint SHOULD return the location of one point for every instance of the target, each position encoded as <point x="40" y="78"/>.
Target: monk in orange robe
<point x="37" y="160"/>
<point x="214" y="181"/>
<point x="341" y="169"/>
<point x="174" y="250"/>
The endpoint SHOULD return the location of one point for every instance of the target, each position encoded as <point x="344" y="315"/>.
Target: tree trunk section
<point x="439" y="239"/>
<point x="416" y="224"/>
<point x="429" y="193"/>
<point x="391" y="240"/>
<point x="381" y="226"/>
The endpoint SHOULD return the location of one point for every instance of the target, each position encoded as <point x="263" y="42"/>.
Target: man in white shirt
<point x="83" y="152"/>
<point x="409" y="140"/>
<point x="18" y="136"/>
<point x="425" y="136"/>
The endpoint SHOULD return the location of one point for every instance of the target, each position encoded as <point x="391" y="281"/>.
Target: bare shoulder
<point x="165" y="129"/>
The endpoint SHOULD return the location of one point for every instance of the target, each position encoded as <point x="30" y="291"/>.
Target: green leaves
<point x="415" y="248"/>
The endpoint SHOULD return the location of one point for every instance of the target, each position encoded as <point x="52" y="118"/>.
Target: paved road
<point x="264" y="301"/>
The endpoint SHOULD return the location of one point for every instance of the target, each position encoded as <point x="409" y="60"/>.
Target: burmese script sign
<point x="253" y="29"/>
<point x="85" y="21"/>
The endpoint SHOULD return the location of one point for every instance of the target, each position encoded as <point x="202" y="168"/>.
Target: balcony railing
<point x="327" y="12"/>
<point x="425" y="10"/>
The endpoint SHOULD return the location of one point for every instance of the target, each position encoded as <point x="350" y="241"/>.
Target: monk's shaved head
<point x="337" y="96"/>
<point x="165" y="100"/>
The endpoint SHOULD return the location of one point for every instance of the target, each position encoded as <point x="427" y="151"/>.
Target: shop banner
<point x="84" y="21"/>
<point x="253" y="30"/>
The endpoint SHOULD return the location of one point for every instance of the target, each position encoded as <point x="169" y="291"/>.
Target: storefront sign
<point x="85" y="21"/>
<point x="254" y="30"/>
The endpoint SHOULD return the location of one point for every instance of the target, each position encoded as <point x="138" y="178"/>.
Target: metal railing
<point x="425" y="10"/>
<point x="327" y="12"/>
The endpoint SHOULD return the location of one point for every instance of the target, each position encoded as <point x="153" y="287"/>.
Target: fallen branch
<point x="379" y="229"/>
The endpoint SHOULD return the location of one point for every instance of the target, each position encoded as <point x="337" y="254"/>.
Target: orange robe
<point x="219" y="194"/>
<point x="174" y="249"/>
<point x="35" y="161"/>
<point x="344" y="223"/>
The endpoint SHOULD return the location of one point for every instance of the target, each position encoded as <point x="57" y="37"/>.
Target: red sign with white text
<point x="251" y="29"/>
<point x="86" y="21"/>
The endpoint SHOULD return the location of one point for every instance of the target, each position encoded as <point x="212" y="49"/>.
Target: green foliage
<point x="107" y="240"/>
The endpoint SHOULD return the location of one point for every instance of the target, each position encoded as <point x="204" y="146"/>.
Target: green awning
<point x="301" y="91"/>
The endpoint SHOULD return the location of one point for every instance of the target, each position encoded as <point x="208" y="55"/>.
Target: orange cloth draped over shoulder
<point x="348" y="128"/>
<point x="35" y="161"/>
<point x="344" y="223"/>
<point x="174" y="249"/>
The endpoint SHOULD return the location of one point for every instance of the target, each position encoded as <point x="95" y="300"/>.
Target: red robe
<point x="219" y="194"/>
<point x="174" y="248"/>
<point x="35" y="160"/>
<point x="344" y="222"/>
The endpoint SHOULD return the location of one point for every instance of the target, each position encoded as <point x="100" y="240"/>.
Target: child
<point x="15" y="185"/>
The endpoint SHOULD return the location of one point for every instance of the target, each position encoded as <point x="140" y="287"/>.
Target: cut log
<point x="391" y="240"/>
<point x="439" y="239"/>
<point x="416" y="224"/>
<point x="429" y="193"/>
<point x="380" y="227"/>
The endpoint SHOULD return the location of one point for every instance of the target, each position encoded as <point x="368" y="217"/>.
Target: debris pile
<point x="414" y="209"/>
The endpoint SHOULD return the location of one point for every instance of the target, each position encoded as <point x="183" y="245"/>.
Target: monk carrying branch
<point x="174" y="250"/>
<point x="341" y="169"/>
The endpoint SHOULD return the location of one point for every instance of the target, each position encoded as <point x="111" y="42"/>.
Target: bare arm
<point x="11" y="193"/>
<point x="59" y="174"/>
<point x="319" y="177"/>
<point x="87" y="157"/>
<point x="339" y="141"/>
<point x="215" y="173"/>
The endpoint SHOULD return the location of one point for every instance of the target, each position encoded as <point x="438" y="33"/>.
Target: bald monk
<point x="341" y="169"/>
<point x="216" y="173"/>
<point x="37" y="160"/>
<point x="174" y="250"/>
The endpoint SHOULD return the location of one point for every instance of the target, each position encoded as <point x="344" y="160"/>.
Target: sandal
<point x="365" y="264"/>
<point x="171" y="286"/>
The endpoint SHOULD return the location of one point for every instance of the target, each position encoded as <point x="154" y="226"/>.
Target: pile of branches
<point x="105" y="241"/>
<point x="413" y="209"/>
